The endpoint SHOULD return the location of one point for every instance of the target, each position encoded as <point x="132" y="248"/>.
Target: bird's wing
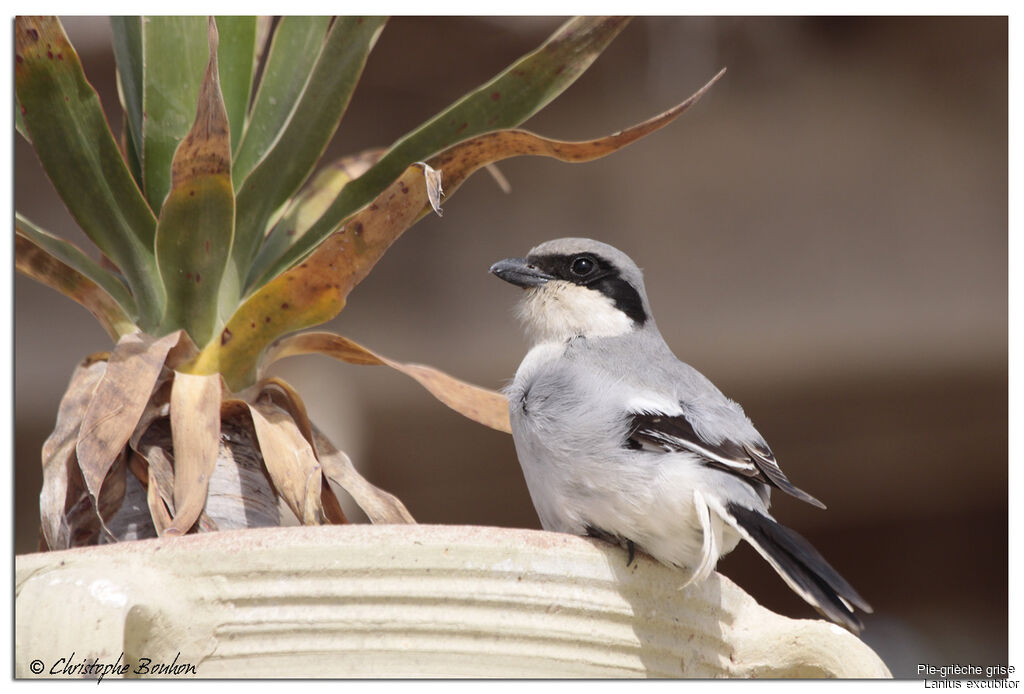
<point x="673" y="433"/>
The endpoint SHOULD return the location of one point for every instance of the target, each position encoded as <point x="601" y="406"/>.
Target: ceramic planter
<point x="402" y="601"/>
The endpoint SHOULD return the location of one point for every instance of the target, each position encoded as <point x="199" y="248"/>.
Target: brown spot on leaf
<point x="252" y="324"/>
<point x="198" y="278"/>
<point x="18" y="59"/>
<point x="225" y="336"/>
<point x="60" y="56"/>
<point x="462" y="127"/>
<point x="495" y="96"/>
<point x="206" y="245"/>
<point x="33" y="34"/>
<point x="357" y="228"/>
<point x="267" y="320"/>
<point x="284" y="306"/>
<point x="290" y="232"/>
<point x="49" y="54"/>
<point x="188" y="275"/>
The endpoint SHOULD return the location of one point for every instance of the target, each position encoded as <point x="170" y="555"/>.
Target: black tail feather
<point x="801" y="566"/>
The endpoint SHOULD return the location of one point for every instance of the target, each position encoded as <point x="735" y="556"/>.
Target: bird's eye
<point x="582" y="266"/>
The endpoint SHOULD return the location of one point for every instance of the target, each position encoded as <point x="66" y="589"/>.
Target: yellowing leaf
<point x="487" y="407"/>
<point x="309" y="205"/>
<point x="33" y="260"/>
<point x="315" y="290"/>
<point x="196" y="226"/>
<point x="80" y="155"/>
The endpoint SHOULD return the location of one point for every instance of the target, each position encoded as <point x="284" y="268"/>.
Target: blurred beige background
<point x="824" y="236"/>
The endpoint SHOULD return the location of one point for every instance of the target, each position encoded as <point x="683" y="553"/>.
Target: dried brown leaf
<point x="284" y="396"/>
<point x="487" y="407"/>
<point x="195" y="427"/>
<point x="158" y="407"/>
<point x="58" y="455"/>
<point x="118" y="403"/>
<point x="290" y="460"/>
<point x="159" y="484"/>
<point x="379" y="505"/>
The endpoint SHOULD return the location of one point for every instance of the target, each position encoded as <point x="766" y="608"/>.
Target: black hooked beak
<point x="520" y="272"/>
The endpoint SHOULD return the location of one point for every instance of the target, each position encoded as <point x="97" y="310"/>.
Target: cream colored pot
<point x="401" y="601"/>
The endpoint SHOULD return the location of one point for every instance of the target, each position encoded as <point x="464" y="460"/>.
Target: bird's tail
<point x="799" y="565"/>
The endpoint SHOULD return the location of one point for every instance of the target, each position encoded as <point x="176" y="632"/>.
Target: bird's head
<point x="577" y="288"/>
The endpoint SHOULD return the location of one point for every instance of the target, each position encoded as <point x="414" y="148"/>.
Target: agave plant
<point x="219" y="239"/>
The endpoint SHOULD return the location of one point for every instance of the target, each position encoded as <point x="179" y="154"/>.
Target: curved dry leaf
<point x="158" y="511"/>
<point x="58" y="455"/>
<point x="316" y="289"/>
<point x="290" y="460"/>
<point x="195" y="428"/>
<point x="35" y="262"/>
<point x="118" y="403"/>
<point x="287" y="398"/>
<point x="379" y="505"/>
<point x="112" y="494"/>
<point x="487" y="407"/>
<point x="457" y="163"/>
<point x="158" y="407"/>
<point x="159" y="468"/>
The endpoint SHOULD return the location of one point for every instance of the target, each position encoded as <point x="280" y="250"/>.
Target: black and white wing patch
<point x="661" y="432"/>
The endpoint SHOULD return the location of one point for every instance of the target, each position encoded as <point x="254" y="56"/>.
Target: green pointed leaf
<point x="306" y="134"/>
<point x="294" y="50"/>
<point x="80" y="155"/>
<point x="236" y="58"/>
<point x="174" y="53"/>
<point x="510" y="98"/>
<point x="59" y="269"/>
<point x="193" y="238"/>
<point x="19" y="122"/>
<point x="127" y="40"/>
<point x="315" y="290"/>
<point x="72" y="256"/>
<point x="131" y="154"/>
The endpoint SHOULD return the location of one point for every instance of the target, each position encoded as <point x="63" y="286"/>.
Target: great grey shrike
<point x="620" y="440"/>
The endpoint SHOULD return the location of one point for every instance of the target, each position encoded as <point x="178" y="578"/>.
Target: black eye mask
<point x="595" y="272"/>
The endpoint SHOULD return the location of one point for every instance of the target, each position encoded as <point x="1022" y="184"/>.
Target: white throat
<point x="558" y="310"/>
